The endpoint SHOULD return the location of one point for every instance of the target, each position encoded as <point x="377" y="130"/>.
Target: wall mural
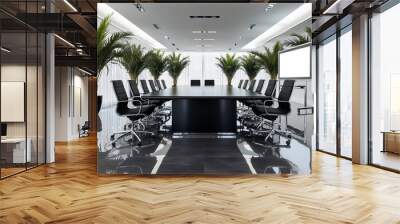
<point x="141" y="134"/>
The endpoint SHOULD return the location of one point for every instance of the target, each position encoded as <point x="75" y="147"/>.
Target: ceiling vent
<point x="204" y="17"/>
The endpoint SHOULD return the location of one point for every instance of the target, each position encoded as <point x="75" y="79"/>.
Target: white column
<point x="360" y="90"/>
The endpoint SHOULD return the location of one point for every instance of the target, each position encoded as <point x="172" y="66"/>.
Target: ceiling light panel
<point x="122" y="23"/>
<point x="299" y="15"/>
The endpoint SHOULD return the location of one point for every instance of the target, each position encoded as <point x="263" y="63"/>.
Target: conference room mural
<point x="178" y="105"/>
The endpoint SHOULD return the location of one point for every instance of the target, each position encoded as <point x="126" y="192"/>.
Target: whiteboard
<point x="12" y="101"/>
<point x="295" y="63"/>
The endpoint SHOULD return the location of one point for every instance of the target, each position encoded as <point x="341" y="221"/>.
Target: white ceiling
<point x="232" y="27"/>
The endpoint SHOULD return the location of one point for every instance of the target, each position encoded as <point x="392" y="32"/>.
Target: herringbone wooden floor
<point x="70" y="191"/>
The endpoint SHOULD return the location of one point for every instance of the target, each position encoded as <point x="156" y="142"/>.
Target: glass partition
<point x="327" y="94"/>
<point x="385" y="89"/>
<point x="22" y="77"/>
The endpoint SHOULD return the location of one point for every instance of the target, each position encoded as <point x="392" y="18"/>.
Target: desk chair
<point x="158" y="84"/>
<point x="252" y="84"/>
<point x="195" y="82"/>
<point x="209" y="82"/>
<point x="260" y="86"/>
<point x="161" y="114"/>
<point x="84" y="129"/>
<point x="153" y="86"/>
<point x="240" y="83"/>
<point x="133" y="114"/>
<point x="163" y="83"/>
<point x="245" y="84"/>
<point x="270" y="114"/>
<point x="144" y="86"/>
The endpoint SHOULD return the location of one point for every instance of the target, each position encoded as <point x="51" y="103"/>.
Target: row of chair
<point x="260" y="116"/>
<point x="197" y="82"/>
<point x="146" y="116"/>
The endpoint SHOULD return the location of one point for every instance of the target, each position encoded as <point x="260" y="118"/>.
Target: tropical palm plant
<point x="299" y="39"/>
<point x="229" y="64"/>
<point x="156" y="63"/>
<point x="109" y="45"/>
<point x="176" y="64"/>
<point x="250" y="65"/>
<point x="133" y="59"/>
<point x="269" y="59"/>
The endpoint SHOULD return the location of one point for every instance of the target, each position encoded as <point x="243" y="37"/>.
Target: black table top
<point x="203" y="92"/>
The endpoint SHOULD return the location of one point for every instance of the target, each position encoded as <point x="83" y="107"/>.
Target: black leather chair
<point x="245" y="84"/>
<point x="153" y="86"/>
<point x="269" y="93"/>
<point x="195" y="82"/>
<point x="144" y="86"/>
<point x="133" y="114"/>
<point x="271" y="112"/>
<point x="158" y="84"/>
<point x="260" y="85"/>
<point x="209" y="82"/>
<point x="136" y="95"/>
<point x="163" y="83"/>
<point x="252" y="84"/>
<point x="240" y="83"/>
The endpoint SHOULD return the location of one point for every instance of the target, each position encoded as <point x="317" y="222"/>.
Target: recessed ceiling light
<point x="197" y="39"/>
<point x="196" y="31"/>
<point x="173" y="44"/>
<point x="209" y="39"/>
<point x="252" y="26"/>
<point x="166" y="37"/>
<point x="211" y="31"/>
<point x="156" y="26"/>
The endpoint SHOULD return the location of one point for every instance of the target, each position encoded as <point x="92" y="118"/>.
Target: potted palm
<point x="229" y="64"/>
<point x="156" y="63"/>
<point x="133" y="59"/>
<point x="269" y="59"/>
<point x="299" y="39"/>
<point x="176" y="64"/>
<point x="250" y="65"/>
<point x="109" y="47"/>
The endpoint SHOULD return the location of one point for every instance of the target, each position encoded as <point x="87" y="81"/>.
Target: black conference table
<point x="208" y="109"/>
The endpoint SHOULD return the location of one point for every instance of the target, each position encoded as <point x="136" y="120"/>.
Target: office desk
<point x="207" y="109"/>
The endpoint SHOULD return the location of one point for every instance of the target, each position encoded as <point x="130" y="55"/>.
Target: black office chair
<point x="136" y="95"/>
<point x="163" y="83"/>
<point x="269" y="93"/>
<point x="158" y="84"/>
<point x="195" y="82"/>
<point x="245" y="84"/>
<point x="153" y="86"/>
<point x="252" y="84"/>
<point x="240" y="83"/>
<point x="209" y="82"/>
<point x="133" y="114"/>
<point x="269" y="113"/>
<point x="260" y="86"/>
<point x="144" y="86"/>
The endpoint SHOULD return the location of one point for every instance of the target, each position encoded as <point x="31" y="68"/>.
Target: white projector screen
<point x="12" y="101"/>
<point x="295" y="63"/>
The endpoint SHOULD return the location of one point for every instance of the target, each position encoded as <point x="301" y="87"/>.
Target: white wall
<point x="70" y="81"/>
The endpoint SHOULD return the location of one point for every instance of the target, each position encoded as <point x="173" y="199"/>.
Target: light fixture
<point x="70" y="5"/>
<point x="64" y="40"/>
<point x="298" y="16"/>
<point x="197" y="39"/>
<point x="269" y="7"/>
<point x="84" y="71"/>
<point x="203" y="31"/>
<point x="211" y="31"/>
<point x="166" y="37"/>
<point x="122" y="23"/>
<point x="252" y="26"/>
<point x="337" y="7"/>
<point x="208" y="39"/>
<point x="139" y="6"/>
<point x="5" y="50"/>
